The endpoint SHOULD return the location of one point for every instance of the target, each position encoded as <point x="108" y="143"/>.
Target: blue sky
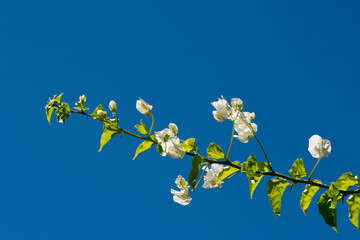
<point x="295" y="64"/>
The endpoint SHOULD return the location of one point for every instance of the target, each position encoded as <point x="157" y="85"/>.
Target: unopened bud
<point x="112" y="106"/>
<point x="173" y="128"/>
<point x="101" y="113"/>
<point x="82" y="99"/>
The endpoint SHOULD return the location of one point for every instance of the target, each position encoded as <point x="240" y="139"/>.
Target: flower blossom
<point x="318" y="147"/>
<point x="242" y="126"/>
<point x="211" y="176"/>
<point x="143" y="107"/>
<point x="170" y="144"/>
<point x="182" y="197"/>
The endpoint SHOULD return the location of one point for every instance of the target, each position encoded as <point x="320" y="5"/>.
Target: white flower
<point x="242" y="127"/>
<point x="223" y="110"/>
<point x="318" y="147"/>
<point x="173" y="128"/>
<point x="237" y="104"/>
<point x="211" y="176"/>
<point x="170" y="144"/>
<point x="173" y="148"/>
<point x="182" y="197"/>
<point x="101" y="113"/>
<point x="82" y="99"/>
<point x="143" y="107"/>
<point x="112" y="106"/>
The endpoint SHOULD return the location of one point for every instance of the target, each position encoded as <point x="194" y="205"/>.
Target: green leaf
<point x="141" y="128"/>
<point x="227" y="171"/>
<point x="346" y="181"/>
<point x="249" y="168"/>
<point x="110" y="130"/>
<point x="354" y="208"/>
<point x="49" y="112"/>
<point x="80" y="106"/>
<point x="307" y="195"/>
<point x="189" y="145"/>
<point x="327" y="206"/>
<point x="94" y="114"/>
<point x="58" y="98"/>
<point x="298" y="169"/>
<point x="196" y="166"/>
<point x="214" y="151"/>
<point x="143" y="147"/>
<point x="276" y="188"/>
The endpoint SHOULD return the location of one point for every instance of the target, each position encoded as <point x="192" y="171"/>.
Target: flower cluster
<point x="244" y="128"/>
<point x="182" y="197"/>
<point x="169" y="142"/>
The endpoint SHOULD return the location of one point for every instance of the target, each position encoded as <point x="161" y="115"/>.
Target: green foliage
<point x="214" y="151"/>
<point x="327" y="206"/>
<point x="141" y="128"/>
<point x="354" y="208"/>
<point x="94" y="114"/>
<point x="195" y="169"/>
<point x="307" y="195"/>
<point x="51" y="105"/>
<point x="346" y="181"/>
<point x="143" y="147"/>
<point x="189" y="145"/>
<point x="298" y="169"/>
<point x="62" y="112"/>
<point x="251" y="169"/>
<point x="276" y="188"/>
<point x="227" y="171"/>
<point x="110" y="130"/>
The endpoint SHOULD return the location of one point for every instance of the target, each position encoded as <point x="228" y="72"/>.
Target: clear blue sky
<point x="295" y="64"/>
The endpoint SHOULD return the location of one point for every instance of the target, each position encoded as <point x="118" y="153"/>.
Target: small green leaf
<point x="298" y="169"/>
<point x="189" y="145"/>
<point x="227" y="171"/>
<point x="196" y="166"/>
<point x="110" y="130"/>
<point x="276" y="188"/>
<point x="327" y="206"/>
<point x="166" y="137"/>
<point x="159" y="149"/>
<point x="94" y="114"/>
<point x="214" y="151"/>
<point x="250" y="168"/>
<point x="143" y="147"/>
<point x="80" y="106"/>
<point x="307" y="195"/>
<point x="141" y="128"/>
<point x="346" y="181"/>
<point x="49" y="112"/>
<point x="58" y="98"/>
<point x="354" y="208"/>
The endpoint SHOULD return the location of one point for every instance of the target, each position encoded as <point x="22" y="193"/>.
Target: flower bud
<point x="101" y="114"/>
<point x="112" y="106"/>
<point x="82" y="99"/>
<point x="173" y="128"/>
<point x="143" y="107"/>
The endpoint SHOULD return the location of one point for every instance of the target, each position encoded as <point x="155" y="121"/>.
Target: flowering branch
<point x="216" y="166"/>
